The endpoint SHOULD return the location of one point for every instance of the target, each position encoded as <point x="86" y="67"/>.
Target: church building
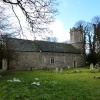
<point x="28" y="54"/>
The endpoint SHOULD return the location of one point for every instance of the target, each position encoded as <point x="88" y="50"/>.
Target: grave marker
<point x="91" y="67"/>
<point x="61" y="70"/>
<point x="56" y="70"/>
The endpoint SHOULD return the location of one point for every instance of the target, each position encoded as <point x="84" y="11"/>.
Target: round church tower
<point x="76" y="38"/>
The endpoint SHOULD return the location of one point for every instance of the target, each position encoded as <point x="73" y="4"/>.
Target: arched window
<point x="52" y="60"/>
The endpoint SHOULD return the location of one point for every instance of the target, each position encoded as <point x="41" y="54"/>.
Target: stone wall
<point x="40" y="60"/>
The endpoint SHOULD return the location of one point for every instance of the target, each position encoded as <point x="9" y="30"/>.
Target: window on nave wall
<point x="52" y="60"/>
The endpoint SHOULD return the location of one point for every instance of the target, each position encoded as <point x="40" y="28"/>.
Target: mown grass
<point x="53" y="86"/>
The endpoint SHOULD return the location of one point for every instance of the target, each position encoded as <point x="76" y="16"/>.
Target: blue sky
<point x="72" y="11"/>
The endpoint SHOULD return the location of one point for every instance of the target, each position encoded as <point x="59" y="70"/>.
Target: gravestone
<point x="68" y="67"/>
<point x="91" y="67"/>
<point x="76" y="71"/>
<point x="61" y="70"/>
<point x="56" y="70"/>
<point x="97" y="65"/>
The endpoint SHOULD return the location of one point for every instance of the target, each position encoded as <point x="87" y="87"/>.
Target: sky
<point x="72" y="11"/>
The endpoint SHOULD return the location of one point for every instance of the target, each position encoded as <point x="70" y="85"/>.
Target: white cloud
<point x="59" y="31"/>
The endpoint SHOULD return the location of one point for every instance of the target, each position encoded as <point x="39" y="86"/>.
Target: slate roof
<point x="21" y="45"/>
<point x="40" y="46"/>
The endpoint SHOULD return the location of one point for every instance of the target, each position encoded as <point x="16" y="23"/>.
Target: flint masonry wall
<point x="40" y="60"/>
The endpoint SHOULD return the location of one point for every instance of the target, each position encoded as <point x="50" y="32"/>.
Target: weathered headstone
<point x="97" y="65"/>
<point x="56" y="70"/>
<point x="76" y="71"/>
<point x="91" y="67"/>
<point x="61" y="70"/>
<point x="68" y="67"/>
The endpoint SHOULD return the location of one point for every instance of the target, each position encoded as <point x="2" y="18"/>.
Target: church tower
<point x="76" y="38"/>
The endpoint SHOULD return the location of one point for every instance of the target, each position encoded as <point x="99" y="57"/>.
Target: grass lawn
<point x="44" y="85"/>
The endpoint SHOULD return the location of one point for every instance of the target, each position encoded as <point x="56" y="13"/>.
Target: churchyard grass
<point x="49" y="85"/>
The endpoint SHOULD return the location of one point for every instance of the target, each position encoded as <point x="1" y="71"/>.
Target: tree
<point x="39" y="13"/>
<point x="91" y="35"/>
<point x="91" y="58"/>
<point x="3" y="20"/>
<point x="98" y="57"/>
<point x="5" y="53"/>
<point x="6" y="31"/>
<point x="96" y="23"/>
<point x="96" y="20"/>
<point x="88" y="35"/>
<point x="6" y="27"/>
<point x="51" y="39"/>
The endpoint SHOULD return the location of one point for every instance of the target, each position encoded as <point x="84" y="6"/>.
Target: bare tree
<point x="96" y="23"/>
<point x="88" y="35"/>
<point x="6" y="31"/>
<point x="80" y="23"/>
<point x="3" y="20"/>
<point x="51" y="39"/>
<point x="6" y="28"/>
<point x="38" y="13"/>
<point x="96" y="20"/>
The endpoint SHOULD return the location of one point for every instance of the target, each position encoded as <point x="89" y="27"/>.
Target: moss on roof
<point x="37" y="46"/>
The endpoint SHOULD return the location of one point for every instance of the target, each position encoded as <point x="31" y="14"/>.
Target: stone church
<point x="29" y="54"/>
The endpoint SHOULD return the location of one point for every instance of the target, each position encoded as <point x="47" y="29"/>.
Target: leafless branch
<point x="39" y="13"/>
<point x="17" y="19"/>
